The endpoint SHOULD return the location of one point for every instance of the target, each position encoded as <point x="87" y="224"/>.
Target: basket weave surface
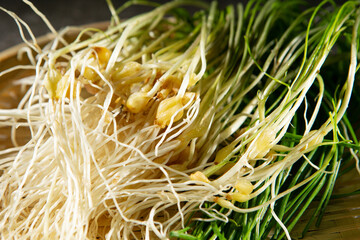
<point x="341" y="220"/>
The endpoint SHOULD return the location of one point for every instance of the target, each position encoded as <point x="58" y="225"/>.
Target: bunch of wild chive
<point x="223" y="124"/>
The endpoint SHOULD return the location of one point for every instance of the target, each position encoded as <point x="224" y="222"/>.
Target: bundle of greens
<point x="222" y="124"/>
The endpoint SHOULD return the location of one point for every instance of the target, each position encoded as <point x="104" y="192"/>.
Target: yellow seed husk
<point x="199" y="176"/>
<point x="244" y="187"/>
<point x="167" y="109"/>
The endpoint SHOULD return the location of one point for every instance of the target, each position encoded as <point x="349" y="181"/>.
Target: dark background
<point x="61" y="13"/>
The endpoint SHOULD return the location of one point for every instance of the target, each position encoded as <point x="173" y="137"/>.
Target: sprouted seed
<point x="168" y="124"/>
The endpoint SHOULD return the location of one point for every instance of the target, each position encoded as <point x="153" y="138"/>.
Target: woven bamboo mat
<point x="341" y="220"/>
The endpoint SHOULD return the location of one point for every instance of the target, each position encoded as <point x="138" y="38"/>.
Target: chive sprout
<point x="223" y="124"/>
